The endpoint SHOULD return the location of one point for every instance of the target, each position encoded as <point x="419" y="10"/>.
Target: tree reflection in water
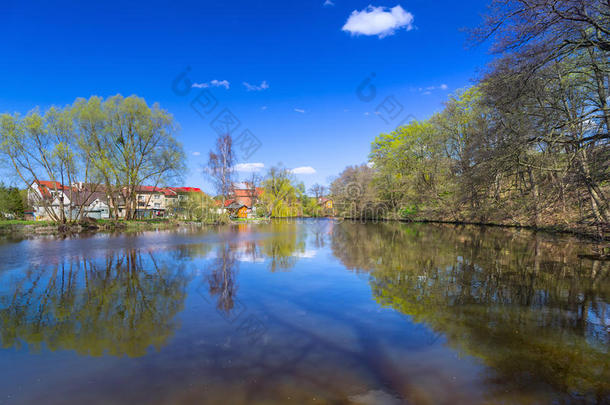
<point x="282" y="242"/>
<point x="523" y="304"/>
<point x="222" y="277"/>
<point x="286" y="238"/>
<point x="530" y="316"/>
<point x="120" y="305"/>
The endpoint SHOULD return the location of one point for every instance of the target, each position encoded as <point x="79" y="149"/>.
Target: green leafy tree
<point x="281" y="197"/>
<point x="12" y="203"/>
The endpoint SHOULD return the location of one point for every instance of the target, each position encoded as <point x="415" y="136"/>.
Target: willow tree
<point x="42" y="146"/>
<point x="121" y="142"/>
<point x="280" y="194"/>
<point x="130" y="144"/>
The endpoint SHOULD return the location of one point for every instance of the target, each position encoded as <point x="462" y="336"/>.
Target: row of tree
<point x="528" y="144"/>
<point x="114" y="144"/>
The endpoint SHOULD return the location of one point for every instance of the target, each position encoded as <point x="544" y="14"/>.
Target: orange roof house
<point x="246" y="194"/>
<point x="325" y="202"/>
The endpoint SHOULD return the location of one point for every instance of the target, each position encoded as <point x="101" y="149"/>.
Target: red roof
<point x="186" y="189"/>
<point x="46" y="185"/>
<point x="148" y="189"/>
<point x="53" y="185"/>
<point x="169" y="191"/>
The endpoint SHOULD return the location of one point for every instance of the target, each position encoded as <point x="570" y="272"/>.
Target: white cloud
<point x="196" y="153"/>
<point x="303" y="170"/>
<point x="379" y="21"/>
<point x="427" y="93"/>
<point x="328" y="3"/>
<point x="299" y="110"/>
<point x="429" y="89"/>
<point x="213" y="83"/>
<point x="220" y="83"/>
<point x="252" y="87"/>
<point x="264" y="107"/>
<point x="249" y="167"/>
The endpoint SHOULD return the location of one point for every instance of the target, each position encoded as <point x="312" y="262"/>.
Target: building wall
<point x="154" y="200"/>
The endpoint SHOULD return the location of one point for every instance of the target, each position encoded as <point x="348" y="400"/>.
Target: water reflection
<point x="286" y="239"/>
<point x="262" y="313"/>
<point x="222" y="277"/>
<point x="524" y="305"/>
<point x="120" y="305"/>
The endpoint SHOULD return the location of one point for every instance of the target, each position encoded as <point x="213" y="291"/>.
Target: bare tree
<point x="318" y="190"/>
<point x="254" y="182"/>
<point x="220" y="165"/>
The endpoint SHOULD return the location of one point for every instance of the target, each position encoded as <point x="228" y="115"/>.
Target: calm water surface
<point x="315" y="312"/>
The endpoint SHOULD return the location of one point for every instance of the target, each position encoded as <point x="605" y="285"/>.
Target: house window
<point x="157" y="196"/>
<point x="157" y="205"/>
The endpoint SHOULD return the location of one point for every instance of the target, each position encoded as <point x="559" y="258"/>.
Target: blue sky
<point x="303" y="63"/>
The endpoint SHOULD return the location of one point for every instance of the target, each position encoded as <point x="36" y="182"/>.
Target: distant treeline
<point x="526" y="145"/>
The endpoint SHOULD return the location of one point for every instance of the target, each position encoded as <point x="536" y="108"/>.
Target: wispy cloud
<point x="264" y="107"/>
<point x="429" y="89"/>
<point x="328" y="3"/>
<point x="299" y="110"/>
<point x="213" y="83"/>
<point x="252" y="87"/>
<point x="196" y="153"/>
<point x="249" y="167"/>
<point x="303" y="170"/>
<point x="380" y="21"/>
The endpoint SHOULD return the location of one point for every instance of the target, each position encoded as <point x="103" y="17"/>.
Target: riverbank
<point x="590" y="233"/>
<point x="28" y="228"/>
<point x="581" y="232"/>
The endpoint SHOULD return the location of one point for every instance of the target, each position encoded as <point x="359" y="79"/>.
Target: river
<point x="304" y="312"/>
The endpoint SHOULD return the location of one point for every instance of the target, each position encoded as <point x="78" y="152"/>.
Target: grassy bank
<point x="24" y="228"/>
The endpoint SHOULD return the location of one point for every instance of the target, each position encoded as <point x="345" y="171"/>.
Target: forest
<point x="526" y="145"/>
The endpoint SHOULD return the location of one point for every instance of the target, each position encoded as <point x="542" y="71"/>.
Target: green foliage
<point x="408" y="212"/>
<point x="12" y="203"/>
<point x="128" y="143"/>
<point x="119" y="142"/>
<point x="281" y="194"/>
<point x="195" y="206"/>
